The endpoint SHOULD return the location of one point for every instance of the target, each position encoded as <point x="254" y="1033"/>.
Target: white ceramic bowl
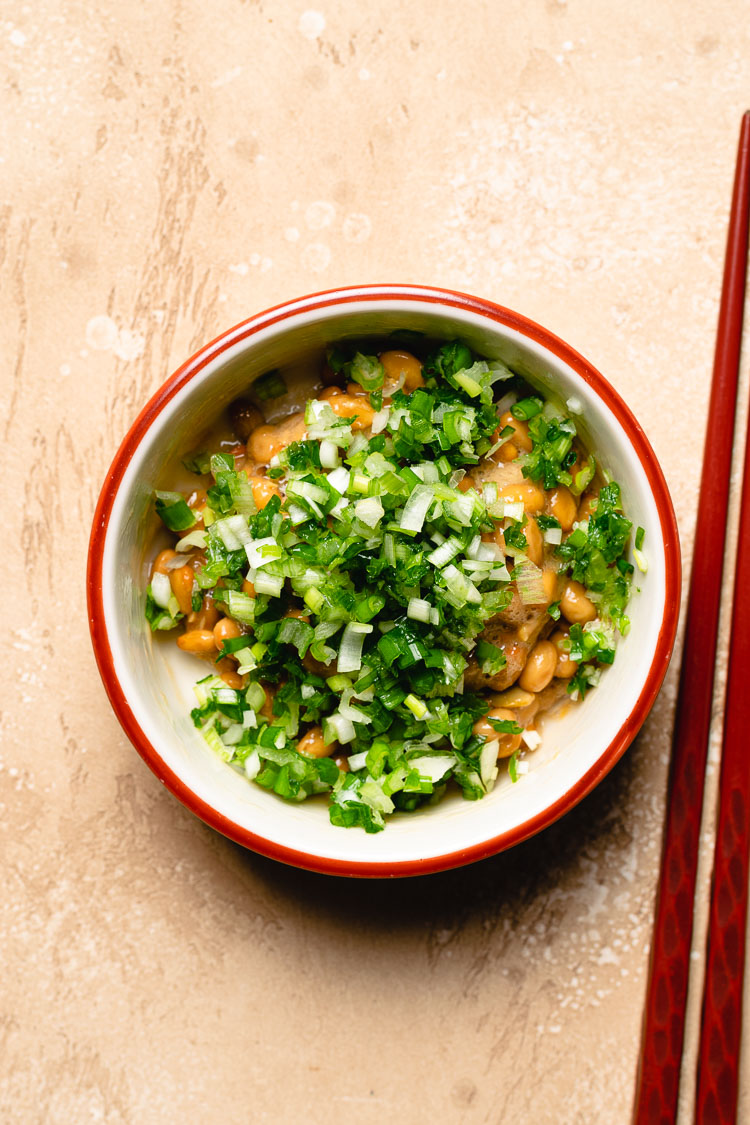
<point x="150" y="684"/>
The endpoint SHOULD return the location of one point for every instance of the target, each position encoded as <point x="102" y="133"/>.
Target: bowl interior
<point x="157" y="678"/>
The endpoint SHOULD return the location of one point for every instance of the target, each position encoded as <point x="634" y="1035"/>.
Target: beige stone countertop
<point x="167" y="170"/>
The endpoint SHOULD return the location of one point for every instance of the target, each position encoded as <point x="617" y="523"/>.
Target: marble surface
<point x="166" y="171"/>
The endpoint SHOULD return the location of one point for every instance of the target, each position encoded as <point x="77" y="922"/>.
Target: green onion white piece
<point x="161" y="589"/>
<point x="352" y="640"/>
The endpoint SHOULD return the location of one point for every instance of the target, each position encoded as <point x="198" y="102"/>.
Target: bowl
<point x="149" y="684"/>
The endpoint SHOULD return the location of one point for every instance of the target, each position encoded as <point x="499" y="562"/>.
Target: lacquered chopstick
<point x="664" y="1018"/>
<point x="721" y="1026"/>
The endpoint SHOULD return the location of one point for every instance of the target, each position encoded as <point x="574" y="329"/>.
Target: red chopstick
<point x="664" y="1018"/>
<point x="718" y="1058"/>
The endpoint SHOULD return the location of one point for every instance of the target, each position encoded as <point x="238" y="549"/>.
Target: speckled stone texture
<point x="168" y="169"/>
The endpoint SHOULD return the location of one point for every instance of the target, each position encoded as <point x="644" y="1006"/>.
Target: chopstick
<point x="664" y="1018"/>
<point x="718" y="1058"/>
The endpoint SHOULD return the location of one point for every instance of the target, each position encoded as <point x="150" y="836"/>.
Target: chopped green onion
<point x="505" y="726"/>
<point x="295" y="632"/>
<point x="226" y="695"/>
<point x="583" y="477"/>
<point x="199" y="463"/>
<point x="367" y="370"/>
<point x="172" y="508"/>
<point x="241" y="606"/>
<point x="322" y="424"/>
<point x="369" y="607"/>
<point x="232" y="644"/>
<point x="242" y="494"/>
<point x="370" y="511"/>
<point x="261" y="552"/>
<point x="460" y="586"/>
<point x="461" y="509"/>
<point x="246" y="660"/>
<point x="433" y="767"/>
<point x="268" y="584"/>
<point x="352" y="640"/>
<point x="490" y="658"/>
<point x="339" y="683"/>
<point x="418" y="707"/>
<point x="533" y="740"/>
<point x="313" y="599"/>
<point x="526" y="408"/>
<point x="255" y="696"/>
<point x="306" y="490"/>
<point x="512" y="509"/>
<point x="337" y="728"/>
<point x="233" y="532"/>
<point x="471" y="386"/>
<point x="161" y="589"/>
<point x="416" y="508"/>
<point x="418" y="609"/>
<point x="354" y="713"/>
<point x="445" y="552"/>
<point x="213" y="739"/>
<point x="380" y="420"/>
<point x="252" y="766"/>
<point x="488" y="763"/>
<point x="191" y="540"/>
<point x="221" y="463"/>
<point x="339" y="479"/>
<point x="329" y="454"/>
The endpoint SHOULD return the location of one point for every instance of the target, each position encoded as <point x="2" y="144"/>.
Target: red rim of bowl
<point x="608" y="758"/>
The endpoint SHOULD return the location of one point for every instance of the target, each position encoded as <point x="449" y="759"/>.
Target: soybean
<point x="539" y="668"/>
<point x="575" y="606"/>
<point x="200" y="642"/>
